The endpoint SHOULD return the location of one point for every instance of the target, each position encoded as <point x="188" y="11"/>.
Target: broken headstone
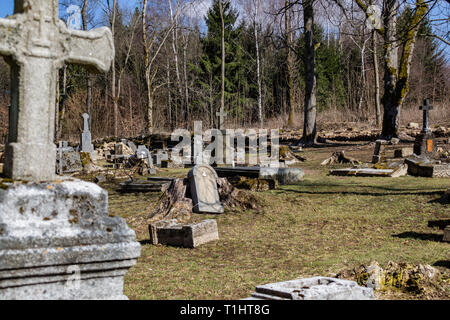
<point x="316" y="288"/>
<point x="424" y="167"/>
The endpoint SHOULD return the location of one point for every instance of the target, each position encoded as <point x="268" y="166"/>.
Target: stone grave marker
<point x="36" y="44"/>
<point x="57" y="240"/>
<point x="86" y="138"/>
<point x="379" y="151"/>
<point x="203" y="183"/>
<point x="425" y="142"/>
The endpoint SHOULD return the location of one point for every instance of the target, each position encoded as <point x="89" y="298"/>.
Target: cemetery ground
<point x="320" y="227"/>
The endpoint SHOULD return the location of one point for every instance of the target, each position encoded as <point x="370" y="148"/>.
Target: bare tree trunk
<point x="377" y="79"/>
<point x="258" y="63"/>
<point x="222" y="97"/>
<point x="396" y="74"/>
<point x="149" y="115"/>
<point x="175" y="53"/>
<point x="290" y="63"/>
<point x="391" y="108"/>
<point x="309" y="128"/>
<point x="363" y="78"/>
<point x="169" y="98"/>
<point x="113" y="76"/>
<point x="88" y="75"/>
<point x="186" y="89"/>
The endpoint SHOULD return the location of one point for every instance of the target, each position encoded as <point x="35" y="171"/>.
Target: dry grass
<point x="320" y="227"/>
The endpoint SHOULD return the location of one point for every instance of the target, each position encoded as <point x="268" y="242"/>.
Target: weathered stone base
<point x="88" y="285"/>
<point x="403" y="152"/>
<point x="34" y="165"/>
<point x="189" y="236"/>
<point x="425" y="144"/>
<point x="317" y="288"/>
<point x="423" y="167"/>
<point x="57" y="241"/>
<point x="446" y="234"/>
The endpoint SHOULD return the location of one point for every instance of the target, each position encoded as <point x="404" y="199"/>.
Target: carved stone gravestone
<point x="205" y="197"/>
<point x="57" y="240"/>
<point x="86" y="143"/>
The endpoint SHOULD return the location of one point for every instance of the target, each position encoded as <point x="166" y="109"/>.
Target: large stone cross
<point x="426" y="110"/>
<point x="36" y="44"/>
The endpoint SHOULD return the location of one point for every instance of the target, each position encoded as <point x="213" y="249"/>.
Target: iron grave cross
<point x="426" y="110"/>
<point x="36" y="44"/>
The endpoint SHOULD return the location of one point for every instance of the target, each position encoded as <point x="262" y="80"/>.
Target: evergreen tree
<point x="210" y="62"/>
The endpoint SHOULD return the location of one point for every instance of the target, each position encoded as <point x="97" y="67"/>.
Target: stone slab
<point x="316" y="288"/>
<point x="142" y="186"/>
<point x="371" y="172"/>
<point x="446" y="237"/>
<point x="403" y="152"/>
<point x="189" y="236"/>
<point x="424" y="167"/>
<point x="57" y="241"/>
<point x="284" y="176"/>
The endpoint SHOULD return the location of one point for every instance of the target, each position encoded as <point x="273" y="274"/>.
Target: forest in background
<point x="173" y="62"/>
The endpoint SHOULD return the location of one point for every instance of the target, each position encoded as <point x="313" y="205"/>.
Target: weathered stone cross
<point x="426" y="110"/>
<point x="36" y="44"/>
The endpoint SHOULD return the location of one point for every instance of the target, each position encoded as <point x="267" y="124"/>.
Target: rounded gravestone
<point x="203" y="183"/>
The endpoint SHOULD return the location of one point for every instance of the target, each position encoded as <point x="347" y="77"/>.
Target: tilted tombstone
<point x="57" y="240"/>
<point x="203" y="183"/>
<point x="86" y="143"/>
<point x="379" y="151"/>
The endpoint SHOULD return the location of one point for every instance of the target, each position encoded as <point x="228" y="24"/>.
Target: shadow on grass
<point x="444" y="200"/>
<point x="375" y="193"/>
<point x="330" y="144"/>
<point x="145" y="242"/>
<point x="441" y="224"/>
<point x="419" y="236"/>
<point x="442" y="263"/>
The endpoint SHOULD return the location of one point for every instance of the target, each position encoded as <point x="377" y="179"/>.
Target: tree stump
<point x="176" y="202"/>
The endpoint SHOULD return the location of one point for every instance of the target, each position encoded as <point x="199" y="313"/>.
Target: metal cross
<point x="426" y="110"/>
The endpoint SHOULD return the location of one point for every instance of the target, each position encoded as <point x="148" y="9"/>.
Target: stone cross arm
<point x="9" y="34"/>
<point x="94" y="49"/>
